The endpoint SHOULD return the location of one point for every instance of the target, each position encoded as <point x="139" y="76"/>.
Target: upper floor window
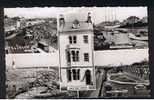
<point x="86" y="56"/>
<point x="75" y="56"/>
<point x="72" y="39"/>
<point x="85" y="38"/>
<point x="68" y="56"/>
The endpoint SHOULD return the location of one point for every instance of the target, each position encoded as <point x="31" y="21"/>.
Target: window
<point x="68" y="56"/>
<point x="69" y="77"/>
<point x="86" y="57"/>
<point x="72" y="39"/>
<point x="73" y="74"/>
<point x="78" y="74"/>
<point x="85" y="38"/>
<point x="75" y="55"/>
<point x="76" y="24"/>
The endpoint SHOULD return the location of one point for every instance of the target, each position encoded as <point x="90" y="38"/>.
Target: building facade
<point x="76" y="52"/>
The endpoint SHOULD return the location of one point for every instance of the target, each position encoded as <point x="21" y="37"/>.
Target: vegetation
<point x="134" y="25"/>
<point x="99" y="40"/>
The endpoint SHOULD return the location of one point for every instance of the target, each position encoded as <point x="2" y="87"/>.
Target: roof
<point x="82" y="27"/>
<point x="70" y="18"/>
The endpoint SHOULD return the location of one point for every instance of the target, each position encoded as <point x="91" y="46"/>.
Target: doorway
<point x="88" y="77"/>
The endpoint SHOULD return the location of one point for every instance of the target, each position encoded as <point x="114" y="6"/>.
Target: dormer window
<point x="76" y="24"/>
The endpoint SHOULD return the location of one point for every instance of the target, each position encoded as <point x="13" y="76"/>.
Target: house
<point x="76" y="52"/>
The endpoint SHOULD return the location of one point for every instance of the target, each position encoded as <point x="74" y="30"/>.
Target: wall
<point x="32" y="60"/>
<point x="101" y="58"/>
<point x="83" y="48"/>
<point x="80" y="82"/>
<point x="120" y="57"/>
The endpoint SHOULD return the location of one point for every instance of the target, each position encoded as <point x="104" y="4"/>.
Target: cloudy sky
<point x="99" y="13"/>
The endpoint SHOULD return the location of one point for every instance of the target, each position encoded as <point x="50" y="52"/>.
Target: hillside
<point x="135" y="25"/>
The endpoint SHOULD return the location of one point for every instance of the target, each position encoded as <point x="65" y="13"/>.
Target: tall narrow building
<point x="76" y="46"/>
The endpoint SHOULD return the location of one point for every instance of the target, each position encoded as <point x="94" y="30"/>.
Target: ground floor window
<point x="73" y="74"/>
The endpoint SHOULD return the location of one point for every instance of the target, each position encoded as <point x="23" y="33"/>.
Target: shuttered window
<point x="85" y="38"/>
<point x="86" y="57"/>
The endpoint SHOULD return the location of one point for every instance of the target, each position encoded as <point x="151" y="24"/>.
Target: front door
<point x="88" y="77"/>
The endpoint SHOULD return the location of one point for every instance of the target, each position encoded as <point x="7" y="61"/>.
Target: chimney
<point x="89" y="18"/>
<point x="61" y="20"/>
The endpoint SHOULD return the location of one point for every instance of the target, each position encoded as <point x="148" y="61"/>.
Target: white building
<point x="76" y="52"/>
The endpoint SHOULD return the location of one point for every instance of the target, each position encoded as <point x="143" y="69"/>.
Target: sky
<point x="99" y="14"/>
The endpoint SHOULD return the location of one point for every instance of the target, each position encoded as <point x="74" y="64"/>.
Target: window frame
<point x="72" y="39"/>
<point x="85" y="38"/>
<point x="86" y="57"/>
<point x="73" y="74"/>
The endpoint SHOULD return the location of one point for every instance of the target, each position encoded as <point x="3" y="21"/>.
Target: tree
<point x="5" y="16"/>
<point x="16" y="18"/>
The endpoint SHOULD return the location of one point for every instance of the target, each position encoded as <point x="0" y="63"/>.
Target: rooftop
<point x="75" y="22"/>
<point x="83" y="26"/>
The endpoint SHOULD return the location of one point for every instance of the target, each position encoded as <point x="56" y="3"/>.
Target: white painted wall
<point x="120" y="57"/>
<point x="101" y="58"/>
<point x="32" y="60"/>
<point x="76" y="82"/>
<point x="83" y="48"/>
